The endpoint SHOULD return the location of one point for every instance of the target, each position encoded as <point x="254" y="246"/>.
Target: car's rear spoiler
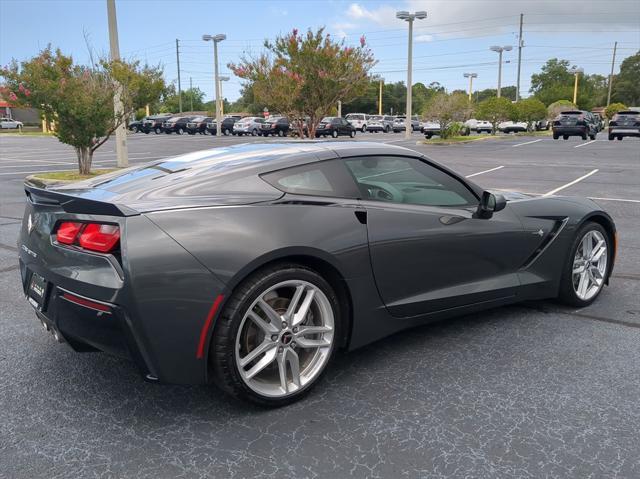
<point x="75" y="204"/>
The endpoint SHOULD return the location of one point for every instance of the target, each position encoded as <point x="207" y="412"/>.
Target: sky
<point x="453" y="39"/>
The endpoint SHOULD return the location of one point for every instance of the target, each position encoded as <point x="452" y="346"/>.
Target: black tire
<point x="555" y="136"/>
<point x="136" y="129"/>
<point x="565" y="137"/>
<point x="254" y="132"/>
<point x="280" y="133"/>
<point x="352" y="134"/>
<point x="428" y="136"/>
<point x="592" y="136"/>
<point x="191" y="132"/>
<point x="611" y="137"/>
<point x="226" y="132"/>
<point x="619" y="137"/>
<point x="364" y="129"/>
<point x="222" y="360"/>
<point x="567" y="294"/>
<point x="146" y="132"/>
<point x="387" y="129"/>
<point x="157" y="130"/>
<point x="168" y="132"/>
<point x="334" y="134"/>
<point x="584" y="136"/>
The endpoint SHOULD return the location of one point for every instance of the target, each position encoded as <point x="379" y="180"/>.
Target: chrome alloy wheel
<point x="285" y="338"/>
<point x="590" y="265"/>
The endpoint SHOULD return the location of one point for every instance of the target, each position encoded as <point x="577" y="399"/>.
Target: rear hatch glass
<point x="627" y="117"/>
<point x="570" y="117"/>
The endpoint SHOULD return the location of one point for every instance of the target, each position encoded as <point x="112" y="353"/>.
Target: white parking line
<point x="577" y="180"/>
<point x="528" y="142"/>
<point x="485" y="171"/>
<point x="585" y="144"/>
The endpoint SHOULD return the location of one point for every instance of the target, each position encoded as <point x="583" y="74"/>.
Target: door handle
<point x="451" y="220"/>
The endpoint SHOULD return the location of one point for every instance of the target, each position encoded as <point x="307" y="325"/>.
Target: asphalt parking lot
<point x="533" y="390"/>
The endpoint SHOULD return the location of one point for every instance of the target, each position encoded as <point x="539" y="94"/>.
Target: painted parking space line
<point x="577" y="180"/>
<point x="527" y="143"/>
<point x="585" y="144"/>
<point x="485" y="171"/>
<point x="624" y="200"/>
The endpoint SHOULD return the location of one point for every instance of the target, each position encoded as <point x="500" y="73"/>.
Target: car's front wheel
<point x="352" y="133"/>
<point x="276" y="335"/>
<point x="587" y="267"/>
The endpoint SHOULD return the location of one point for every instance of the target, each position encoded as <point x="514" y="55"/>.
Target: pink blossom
<point x="21" y="87"/>
<point x="27" y="92"/>
<point x="363" y="41"/>
<point x="12" y="96"/>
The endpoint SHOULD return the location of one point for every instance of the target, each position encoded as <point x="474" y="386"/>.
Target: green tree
<point x="445" y="109"/>
<point x="553" y="83"/>
<point x="556" y="107"/>
<point x="306" y="75"/>
<point x="505" y="92"/>
<point x="626" y="84"/>
<point x="171" y="104"/>
<point x="495" y="110"/>
<point x="529" y="110"/>
<point x="80" y="99"/>
<point x="613" y="109"/>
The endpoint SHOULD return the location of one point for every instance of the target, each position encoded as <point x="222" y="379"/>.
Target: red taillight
<point x="67" y="232"/>
<point x="86" y="303"/>
<point x="99" y="237"/>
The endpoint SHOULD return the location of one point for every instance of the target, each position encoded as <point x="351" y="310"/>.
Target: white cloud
<point x="423" y="38"/>
<point x="460" y="18"/>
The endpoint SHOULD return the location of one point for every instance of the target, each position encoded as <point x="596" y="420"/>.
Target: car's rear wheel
<point x="352" y="134"/>
<point x="280" y="133"/>
<point x="619" y="137"/>
<point x="276" y="335"/>
<point x="565" y="137"/>
<point x="587" y="267"/>
<point x="592" y="136"/>
<point x="363" y="129"/>
<point x="555" y="136"/>
<point x="158" y="131"/>
<point x="254" y="132"/>
<point x="180" y="131"/>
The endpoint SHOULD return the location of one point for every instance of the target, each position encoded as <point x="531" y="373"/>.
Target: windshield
<point x="327" y="119"/>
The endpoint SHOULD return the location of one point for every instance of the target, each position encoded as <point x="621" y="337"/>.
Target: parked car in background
<point x="575" y="123"/>
<point x="176" y="124"/>
<point x="136" y="125"/>
<point x="432" y="128"/>
<point x="512" y="126"/>
<point x="358" y="120"/>
<point x="479" y="126"/>
<point x="226" y="127"/>
<point x="276" y="125"/>
<point x="382" y="123"/>
<point x="198" y="125"/>
<point x="624" y="123"/>
<point x="543" y="125"/>
<point x="399" y="124"/>
<point x="335" y="126"/>
<point x="10" y="124"/>
<point x="293" y="126"/>
<point x="599" y="120"/>
<point x="154" y="123"/>
<point x="249" y="125"/>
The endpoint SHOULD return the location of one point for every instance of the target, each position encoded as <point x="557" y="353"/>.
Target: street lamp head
<point x="219" y="37"/>
<point x="508" y="48"/>
<point x="403" y="15"/>
<point x="223" y="78"/>
<point x="470" y="75"/>
<point x="495" y="48"/>
<point x="421" y="15"/>
<point x="206" y="38"/>
<point x="576" y="70"/>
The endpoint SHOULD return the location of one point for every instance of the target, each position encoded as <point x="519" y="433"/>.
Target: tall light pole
<point x="122" y="153"/>
<point x="380" y="98"/>
<point x="613" y="63"/>
<point x="216" y="39"/>
<point x="470" y="76"/>
<point x="576" y="72"/>
<point x="409" y="17"/>
<point x="495" y="48"/>
<point x="221" y="79"/>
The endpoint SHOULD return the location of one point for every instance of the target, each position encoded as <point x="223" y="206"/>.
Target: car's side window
<point x="323" y="178"/>
<point x="407" y="180"/>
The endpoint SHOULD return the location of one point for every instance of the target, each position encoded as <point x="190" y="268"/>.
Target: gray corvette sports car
<point x="249" y="266"/>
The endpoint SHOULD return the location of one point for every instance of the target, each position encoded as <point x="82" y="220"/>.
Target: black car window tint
<point x="325" y="178"/>
<point x="408" y="180"/>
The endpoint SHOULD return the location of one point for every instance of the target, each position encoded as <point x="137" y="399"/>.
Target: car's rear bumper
<point x="624" y="131"/>
<point x="571" y="130"/>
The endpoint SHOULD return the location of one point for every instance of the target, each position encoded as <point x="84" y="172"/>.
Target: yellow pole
<point x="380" y="99"/>
<point x="147" y="110"/>
<point x="44" y="126"/>
<point x="575" y="90"/>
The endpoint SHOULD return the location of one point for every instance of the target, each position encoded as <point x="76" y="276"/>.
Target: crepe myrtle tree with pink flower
<point x="304" y="75"/>
<point x="79" y="98"/>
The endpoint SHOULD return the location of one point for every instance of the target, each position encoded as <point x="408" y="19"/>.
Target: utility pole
<point x="409" y="17"/>
<point x="520" y="45"/>
<point x="191" y="92"/>
<point x="122" y="152"/>
<point x="339" y="108"/>
<point x="380" y="99"/>
<point x="179" y="87"/>
<point x="613" y="62"/>
<point x="470" y="76"/>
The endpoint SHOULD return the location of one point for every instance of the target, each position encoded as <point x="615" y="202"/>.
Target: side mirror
<point x="489" y="204"/>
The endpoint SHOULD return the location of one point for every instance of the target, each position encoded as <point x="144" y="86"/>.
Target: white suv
<point x="8" y="123"/>
<point x="358" y="120"/>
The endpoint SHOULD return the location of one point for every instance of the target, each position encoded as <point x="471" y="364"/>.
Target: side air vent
<point x="553" y="234"/>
